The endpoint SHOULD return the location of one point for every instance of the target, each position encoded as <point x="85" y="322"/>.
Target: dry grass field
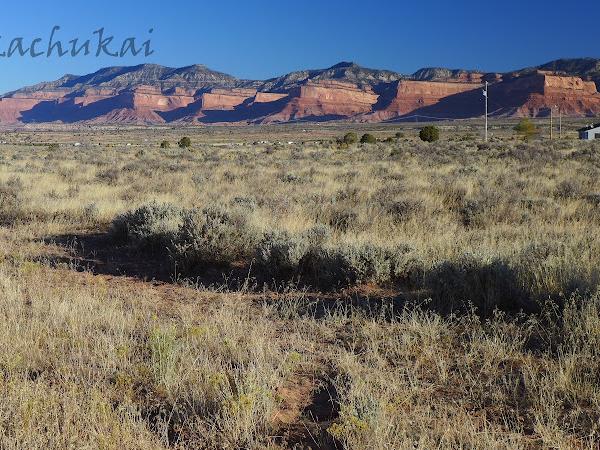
<point x="270" y="287"/>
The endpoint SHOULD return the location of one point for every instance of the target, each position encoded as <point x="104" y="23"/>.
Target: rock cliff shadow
<point x="68" y="111"/>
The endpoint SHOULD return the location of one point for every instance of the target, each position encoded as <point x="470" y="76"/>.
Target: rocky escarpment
<point x="407" y="96"/>
<point x="531" y="94"/>
<point x="197" y="95"/>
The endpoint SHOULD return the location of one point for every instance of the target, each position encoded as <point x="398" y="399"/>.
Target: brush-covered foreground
<point x="292" y="295"/>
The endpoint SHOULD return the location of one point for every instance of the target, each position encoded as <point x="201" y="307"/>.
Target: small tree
<point x="368" y="139"/>
<point x="429" y="134"/>
<point x="185" y="142"/>
<point x="526" y="128"/>
<point x="165" y="144"/>
<point x="350" y="138"/>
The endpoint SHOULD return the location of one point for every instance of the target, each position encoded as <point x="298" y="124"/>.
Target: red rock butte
<point x="343" y="92"/>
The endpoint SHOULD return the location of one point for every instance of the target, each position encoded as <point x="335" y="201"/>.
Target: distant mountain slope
<point x="151" y="94"/>
<point x="344" y="71"/>
<point x="441" y="73"/>
<point x="163" y="78"/>
<point x="578" y="67"/>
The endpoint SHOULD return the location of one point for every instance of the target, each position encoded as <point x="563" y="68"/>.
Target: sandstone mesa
<point x="151" y="94"/>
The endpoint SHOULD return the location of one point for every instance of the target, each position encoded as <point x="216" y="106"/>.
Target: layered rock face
<point x="196" y="95"/>
<point x="268" y="97"/>
<point x="529" y="95"/>
<point x="574" y="96"/>
<point x="226" y="99"/>
<point x="325" y="99"/>
<point x="409" y="96"/>
<point x="90" y="96"/>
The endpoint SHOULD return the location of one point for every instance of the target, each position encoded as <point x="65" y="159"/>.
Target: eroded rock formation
<point x="152" y="94"/>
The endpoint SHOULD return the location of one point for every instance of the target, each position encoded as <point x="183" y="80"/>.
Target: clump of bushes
<point x="196" y="238"/>
<point x="331" y="266"/>
<point x="526" y="128"/>
<point x="185" y="142"/>
<point x="152" y="227"/>
<point x="429" y="134"/>
<point x="280" y="254"/>
<point x="312" y="257"/>
<point x="368" y="139"/>
<point x="347" y="264"/>
<point x="350" y="138"/>
<point x="213" y="235"/>
<point x="166" y="144"/>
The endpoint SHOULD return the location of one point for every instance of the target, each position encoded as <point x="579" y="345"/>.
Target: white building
<point x="590" y="133"/>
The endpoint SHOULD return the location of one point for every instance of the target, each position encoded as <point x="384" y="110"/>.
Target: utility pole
<point x="559" y="123"/>
<point x="551" y="124"/>
<point x="485" y="94"/>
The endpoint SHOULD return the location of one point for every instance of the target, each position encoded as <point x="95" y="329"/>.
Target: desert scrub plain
<point x="273" y="288"/>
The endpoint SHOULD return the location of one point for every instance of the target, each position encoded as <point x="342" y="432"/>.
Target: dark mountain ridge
<point x="201" y="77"/>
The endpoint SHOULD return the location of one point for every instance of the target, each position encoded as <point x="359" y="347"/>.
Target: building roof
<point x="590" y="127"/>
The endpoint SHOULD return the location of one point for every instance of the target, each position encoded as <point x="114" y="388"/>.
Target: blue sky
<point x="262" y="39"/>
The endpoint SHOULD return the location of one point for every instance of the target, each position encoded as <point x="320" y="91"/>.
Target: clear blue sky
<point x="262" y="39"/>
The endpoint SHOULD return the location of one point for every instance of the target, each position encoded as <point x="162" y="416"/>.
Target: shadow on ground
<point x="98" y="254"/>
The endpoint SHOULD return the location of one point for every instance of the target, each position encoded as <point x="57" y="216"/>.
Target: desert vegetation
<point x="325" y="292"/>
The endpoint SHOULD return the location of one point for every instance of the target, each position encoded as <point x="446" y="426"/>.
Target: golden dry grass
<point x="502" y="238"/>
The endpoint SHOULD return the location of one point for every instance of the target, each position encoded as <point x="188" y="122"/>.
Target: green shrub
<point x="280" y="253"/>
<point x="331" y="267"/>
<point x="368" y="139"/>
<point x="526" y="128"/>
<point x="429" y="134"/>
<point x="406" y="266"/>
<point x="350" y="138"/>
<point x="152" y="226"/>
<point x="166" y="144"/>
<point x="185" y="142"/>
<point x="213" y="235"/>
